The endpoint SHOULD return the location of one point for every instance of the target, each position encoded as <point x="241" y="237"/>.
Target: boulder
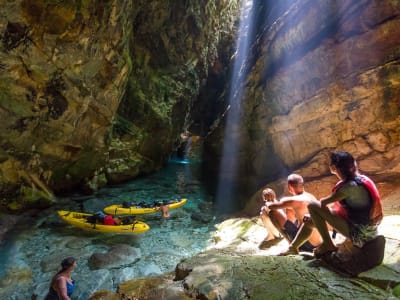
<point x="118" y="255"/>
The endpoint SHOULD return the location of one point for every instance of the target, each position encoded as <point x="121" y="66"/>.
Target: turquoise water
<point x="33" y="251"/>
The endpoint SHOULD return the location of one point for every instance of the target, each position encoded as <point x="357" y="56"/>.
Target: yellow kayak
<point x="85" y="221"/>
<point x="137" y="209"/>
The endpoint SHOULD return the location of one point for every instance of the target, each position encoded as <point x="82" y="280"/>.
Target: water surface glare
<point x="32" y="252"/>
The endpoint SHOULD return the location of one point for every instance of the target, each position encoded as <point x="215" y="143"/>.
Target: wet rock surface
<point x="117" y="256"/>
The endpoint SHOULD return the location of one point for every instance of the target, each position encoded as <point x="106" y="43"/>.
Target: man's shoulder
<point x="310" y="196"/>
<point x="304" y="197"/>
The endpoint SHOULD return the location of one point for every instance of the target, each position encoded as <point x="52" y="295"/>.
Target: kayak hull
<point x="118" y="209"/>
<point x="79" y="219"/>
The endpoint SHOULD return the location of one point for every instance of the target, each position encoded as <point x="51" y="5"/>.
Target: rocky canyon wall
<point x="325" y="77"/>
<point x="96" y="92"/>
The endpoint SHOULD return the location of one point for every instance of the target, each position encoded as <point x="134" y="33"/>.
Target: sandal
<point x="321" y="251"/>
<point x="269" y="243"/>
<point x="289" y="251"/>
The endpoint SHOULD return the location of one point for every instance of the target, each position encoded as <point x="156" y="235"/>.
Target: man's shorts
<point x="291" y="230"/>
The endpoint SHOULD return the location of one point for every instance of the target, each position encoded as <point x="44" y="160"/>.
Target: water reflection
<point x="33" y="251"/>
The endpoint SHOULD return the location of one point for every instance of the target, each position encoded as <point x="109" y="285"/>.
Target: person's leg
<point x="278" y="219"/>
<point x="303" y="234"/>
<point x="273" y="233"/>
<point x="320" y="217"/>
<point x="300" y="239"/>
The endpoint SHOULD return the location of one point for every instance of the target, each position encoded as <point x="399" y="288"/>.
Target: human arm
<point x="61" y="284"/>
<point x="335" y="196"/>
<point x="285" y="203"/>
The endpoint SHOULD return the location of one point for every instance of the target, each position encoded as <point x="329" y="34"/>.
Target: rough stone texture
<point x="324" y="76"/>
<point x="235" y="268"/>
<point x="118" y="255"/>
<point x="97" y="92"/>
<point x="173" y="45"/>
<point x="63" y="75"/>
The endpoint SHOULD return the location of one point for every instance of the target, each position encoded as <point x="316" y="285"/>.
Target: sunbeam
<point x="228" y="166"/>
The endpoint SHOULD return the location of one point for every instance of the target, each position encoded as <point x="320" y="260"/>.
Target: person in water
<point x="288" y="214"/>
<point x="164" y="208"/>
<point x="356" y="212"/>
<point x="62" y="285"/>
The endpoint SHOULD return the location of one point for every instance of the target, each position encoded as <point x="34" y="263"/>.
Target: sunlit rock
<point x="104" y="295"/>
<point x="325" y="76"/>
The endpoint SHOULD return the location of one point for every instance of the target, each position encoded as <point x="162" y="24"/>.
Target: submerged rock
<point x="117" y="255"/>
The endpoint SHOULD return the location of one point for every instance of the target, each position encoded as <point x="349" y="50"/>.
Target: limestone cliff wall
<point x="325" y="76"/>
<point x="98" y="91"/>
<point x="64" y="69"/>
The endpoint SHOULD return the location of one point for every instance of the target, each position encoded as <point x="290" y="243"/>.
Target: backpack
<point x="127" y="204"/>
<point x="376" y="213"/>
<point x="350" y="260"/>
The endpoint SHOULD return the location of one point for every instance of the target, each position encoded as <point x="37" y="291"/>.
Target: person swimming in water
<point x="62" y="285"/>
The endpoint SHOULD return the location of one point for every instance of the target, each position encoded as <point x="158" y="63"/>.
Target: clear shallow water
<point x="33" y="251"/>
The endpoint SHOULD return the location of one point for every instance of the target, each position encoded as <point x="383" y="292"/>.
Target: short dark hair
<point x="295" y="179"/>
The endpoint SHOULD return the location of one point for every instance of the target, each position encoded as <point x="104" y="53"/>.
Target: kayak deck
<point x="80" y="220"/>
<point x="141" y="208"/>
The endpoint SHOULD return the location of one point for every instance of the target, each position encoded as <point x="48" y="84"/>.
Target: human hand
<point x="265" y="209"/>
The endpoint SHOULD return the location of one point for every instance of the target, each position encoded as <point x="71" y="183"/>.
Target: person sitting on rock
<point x="288" y="214"/>
<point x="356" y="213"/>
<point x="273" y="236"/>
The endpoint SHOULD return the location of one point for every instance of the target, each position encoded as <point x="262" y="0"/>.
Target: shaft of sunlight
<point x="229" y="164"/>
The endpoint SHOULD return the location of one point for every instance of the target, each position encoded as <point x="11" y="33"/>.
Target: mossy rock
<point x="104" y="295"/>
<point x="396" y="290"/>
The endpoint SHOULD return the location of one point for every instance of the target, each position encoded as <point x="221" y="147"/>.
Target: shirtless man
<point x="164" y="208"/>
<point x="288" y="214"/>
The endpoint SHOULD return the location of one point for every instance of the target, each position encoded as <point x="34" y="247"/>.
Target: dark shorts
<point x="291" y="230"/>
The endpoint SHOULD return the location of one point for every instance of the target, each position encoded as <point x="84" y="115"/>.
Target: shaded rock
<point x="52" y="263"/>
<point x="77" y="243"/>
<point x="100" y="89"/>
<point x="202" y="217"/>
<point x="182" y="270"/>
<point x="118" y="255"/>
<point x="7" y="222"/>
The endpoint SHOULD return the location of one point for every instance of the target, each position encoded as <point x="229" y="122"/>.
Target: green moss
<point x="86" y="165"/>
<point x="14" y="206"/>
<point x="10" y="104"/>
<point x="396" y="290"/>
<point x="33" y="197"/>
